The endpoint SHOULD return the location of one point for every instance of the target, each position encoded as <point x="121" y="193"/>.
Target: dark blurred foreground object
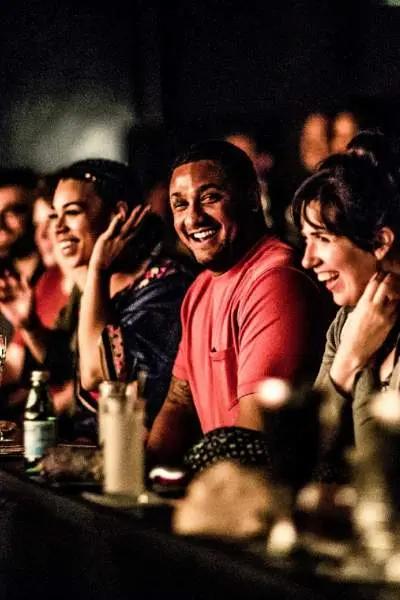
<point x="372" y="550"/>
<point x="292" y="427"/>
<point x="72" y="464"/>
<point x="376" y="515"/>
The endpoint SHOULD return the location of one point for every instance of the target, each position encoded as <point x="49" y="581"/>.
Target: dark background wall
<point x="135" y="80"/>
<point x="65" y="77"/>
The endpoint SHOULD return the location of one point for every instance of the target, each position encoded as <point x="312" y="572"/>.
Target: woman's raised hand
<point x="16" y="300"/>
<point x="116" y="237"/>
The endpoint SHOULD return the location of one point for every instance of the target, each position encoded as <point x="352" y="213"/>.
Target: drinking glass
<point x="8" y="431"/>
<point x="7" y="428"/>
<point x="3" y="352"/>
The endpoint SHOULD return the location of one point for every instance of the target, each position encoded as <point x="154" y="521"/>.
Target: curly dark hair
<point x="112" y="180"/>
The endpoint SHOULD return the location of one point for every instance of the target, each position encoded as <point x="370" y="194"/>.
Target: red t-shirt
<point x="260" y="319"/>
<point x="50" y="298"/>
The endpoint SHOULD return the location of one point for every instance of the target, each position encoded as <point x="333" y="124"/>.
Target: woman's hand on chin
<point x="366" y="328"/>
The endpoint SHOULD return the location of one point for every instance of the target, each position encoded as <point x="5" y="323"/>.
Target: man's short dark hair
<point x="233" y="160"/>
<point x="18" y="176"/>
<point x="113" y="181"/>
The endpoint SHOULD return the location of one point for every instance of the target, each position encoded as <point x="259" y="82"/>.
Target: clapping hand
<point x="373" y="317"/>
<point x="112" y="242"/>
<point x="16" y="299"/>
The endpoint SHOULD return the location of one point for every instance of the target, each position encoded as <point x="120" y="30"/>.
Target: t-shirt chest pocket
<point x="223" y="366"/>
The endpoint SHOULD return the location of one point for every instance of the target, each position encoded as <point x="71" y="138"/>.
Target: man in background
<point x="18" y="252"/>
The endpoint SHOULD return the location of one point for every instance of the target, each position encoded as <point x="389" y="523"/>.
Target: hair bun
<point x="378" y="146"/>
<point x="116" y="179"/>
<point x="381" y="149"/>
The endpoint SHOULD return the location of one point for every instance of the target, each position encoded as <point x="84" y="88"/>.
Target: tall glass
<point x="3" y="352"/>
<point x="7" y="428"/>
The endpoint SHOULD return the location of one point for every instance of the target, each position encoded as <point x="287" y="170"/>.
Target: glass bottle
<point x="39" y="421"/>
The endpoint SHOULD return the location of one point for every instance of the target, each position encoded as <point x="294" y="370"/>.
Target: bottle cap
<point x="37" y="376"/>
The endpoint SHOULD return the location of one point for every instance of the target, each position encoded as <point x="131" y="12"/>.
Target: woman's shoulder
<point x="166" y="260"/>
<point x="162" y="268"/>
<point x="342" y="314"/>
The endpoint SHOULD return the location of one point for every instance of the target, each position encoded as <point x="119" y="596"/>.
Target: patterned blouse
<point x="142" y="336"/>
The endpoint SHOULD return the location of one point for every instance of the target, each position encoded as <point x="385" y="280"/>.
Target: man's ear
<point x="384" y="242"/>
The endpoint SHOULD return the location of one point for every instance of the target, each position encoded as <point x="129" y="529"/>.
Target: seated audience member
<point x="263" y="162"/>
<point x="251" y="314"/>
<point x="321" y="136"/>
<point x="131" y="289"/>
<point x="314" y="141"/>
<point x="54" y="286"/>
<point x="344" y="127"/>
<point x="18" y="253"/>
<point x="50" y="294"/>
<point x="349" y="216"/>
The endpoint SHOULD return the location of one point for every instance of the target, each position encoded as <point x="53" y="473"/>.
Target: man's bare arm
<point x="250" y="413"/>
<point x="176" y="427"/>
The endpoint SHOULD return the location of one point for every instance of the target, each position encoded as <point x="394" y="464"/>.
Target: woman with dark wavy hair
<point x="348" y="212"/>
<point x="123" y="314"/>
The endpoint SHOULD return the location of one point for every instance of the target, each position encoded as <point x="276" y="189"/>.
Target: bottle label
<point x="38" y="436"/>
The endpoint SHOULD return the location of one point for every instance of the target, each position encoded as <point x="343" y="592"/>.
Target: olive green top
<point x="366" y="384"/>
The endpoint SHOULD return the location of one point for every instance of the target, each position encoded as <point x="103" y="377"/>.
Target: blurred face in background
<point x="314" y="143"/>
<point x="16" y="226"/>
<point x="344" y="128"/>
<point x="245" y="143"/>
<point x="43" y="239"/>
<point x="79" y="216"/>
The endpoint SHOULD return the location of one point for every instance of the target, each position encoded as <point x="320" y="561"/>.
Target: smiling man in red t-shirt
<point x="251" y="314"/>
